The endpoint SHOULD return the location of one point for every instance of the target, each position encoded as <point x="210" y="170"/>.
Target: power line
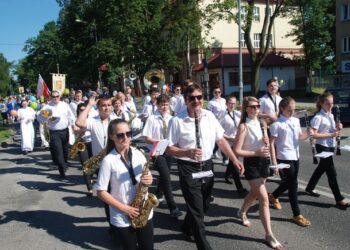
<point x="13" y="44"/>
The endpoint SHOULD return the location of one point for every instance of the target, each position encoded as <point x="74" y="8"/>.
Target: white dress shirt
<point x="267" y="106"/>
<point x="324" y="123"/>
<point x="287" y="131"/>
<point x="63" y="114"/>
<point x="99" y="132"/>
<point x="182" y="133"/>
<point x="114" y="172"/>
<point x="229" y="125"/>
<point x="218" y="107"/>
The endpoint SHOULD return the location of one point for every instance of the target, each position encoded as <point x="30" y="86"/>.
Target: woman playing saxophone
<point x="122" y="168"/>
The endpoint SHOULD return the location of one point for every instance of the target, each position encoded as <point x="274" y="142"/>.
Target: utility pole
<point x="240" y="63"/>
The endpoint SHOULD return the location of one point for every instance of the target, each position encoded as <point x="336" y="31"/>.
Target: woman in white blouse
<point x="121" y="168"/>
<point x="250" y="144"/>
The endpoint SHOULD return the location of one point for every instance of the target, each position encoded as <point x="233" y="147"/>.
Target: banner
<point x="59" y="82"/>
<point x="42" y="89"/>
<point x="21" y="90"/>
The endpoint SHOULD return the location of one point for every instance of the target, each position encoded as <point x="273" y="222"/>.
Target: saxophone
<point x="90" y="166"/>
<point x="143" y="202"/>
<point x="46" y="114"/>
<point x="78" y="146"/>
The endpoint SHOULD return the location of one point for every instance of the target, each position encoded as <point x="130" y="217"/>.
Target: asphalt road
<point x="38" y="210"/>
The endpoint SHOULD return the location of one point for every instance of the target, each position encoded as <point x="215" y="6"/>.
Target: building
<point x="223" y="65"/>
<point x="343" y="42"/>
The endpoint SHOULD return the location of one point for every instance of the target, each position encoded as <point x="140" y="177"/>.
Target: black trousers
<point x="233" y="171"/>
<point x="163" y="164"/>
<point x="290" y="183"/>
<point x="197" y="194"/>
<point x="59" y="142"/>
<point x="326" y="165"/>
<point x="84" y="156"/>
<point x="133" y="239"/>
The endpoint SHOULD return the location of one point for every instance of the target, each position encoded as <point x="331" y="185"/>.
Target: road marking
<point x="325" y="191"/>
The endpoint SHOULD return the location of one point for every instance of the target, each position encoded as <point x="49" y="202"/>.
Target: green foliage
<point x="4" y="75"/>
<point x="313" y="27"/>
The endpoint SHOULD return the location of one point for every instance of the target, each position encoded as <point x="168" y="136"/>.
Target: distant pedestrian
<point x="26" y="116"/>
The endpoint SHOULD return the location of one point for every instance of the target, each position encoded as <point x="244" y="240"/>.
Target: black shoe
<point x="62" y="175"/>
<point x="25" y="152"/>
<point x="188" y="233"/>
<point x="211" y="198"/>
<point x="343" y="205"/>
<point x="89" y="193"/>
<point x="312" y="193"/>
<point x="227" y="180"/>
<point x="175" y="213"/>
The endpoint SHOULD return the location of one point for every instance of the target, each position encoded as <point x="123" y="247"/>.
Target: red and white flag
<point x="42" y="89"/>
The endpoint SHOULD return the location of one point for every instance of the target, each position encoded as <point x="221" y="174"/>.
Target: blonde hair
<point x="284" y="103"/>
<point x="321" y="99"/>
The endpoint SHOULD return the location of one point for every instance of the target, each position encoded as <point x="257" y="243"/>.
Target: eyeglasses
<point x="55" y="96"/>
<point x="122" y="135"/>
<point x="254" y="106"/>
<point x="177" y="89"/>
<point x="194" y="97"/>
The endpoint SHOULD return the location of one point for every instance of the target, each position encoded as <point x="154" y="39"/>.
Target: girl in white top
<point x="250" y="145"/>
<point x="121" y="168"/>
<point x="26" y="116"/>
<point x="217" y="105"/>
<point x="325" y="131"/>
<point x="285" y="136"/>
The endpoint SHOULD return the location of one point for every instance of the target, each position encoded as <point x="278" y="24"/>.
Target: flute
<point x="312" y="141"/>
<point x="337" y="120"/>
<point x="263" y="127"/>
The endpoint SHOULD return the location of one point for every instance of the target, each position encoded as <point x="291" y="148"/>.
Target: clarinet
<point x="312" y="141"/>
<point x="337" y="120"/>
<point x="264" y="133"/>
<point x="196" y="125"/>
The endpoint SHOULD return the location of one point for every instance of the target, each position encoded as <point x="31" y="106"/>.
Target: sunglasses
<point x="122" y="135"/>
<point x="177" y="89"/>
<point x="55" y="96"/>
<point x="194" y="97"/>
<point x="217" y="92"/>
<point x="254" y="106"/>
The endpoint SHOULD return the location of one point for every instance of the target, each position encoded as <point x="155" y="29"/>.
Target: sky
<point x="21" y="20"/>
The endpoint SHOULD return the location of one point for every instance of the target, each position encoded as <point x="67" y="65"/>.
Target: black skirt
<point x="256" y="167"/>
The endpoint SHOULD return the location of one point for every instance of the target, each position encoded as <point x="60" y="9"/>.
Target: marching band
<point x="264" y="132"/>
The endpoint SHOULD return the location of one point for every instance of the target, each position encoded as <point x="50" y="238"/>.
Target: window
<point x="243" y="12"/>
<point x="257" y="37"/>
<point x="242" y="41"/>
<point x="256" y="14"/>
<point x="346" y="44"/>
<point x="233" y="78"/>
<point x="345" y="12"/>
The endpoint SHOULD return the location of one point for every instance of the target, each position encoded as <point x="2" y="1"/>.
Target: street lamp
<point x="57" y="63"/>
<point x="94" y="27"/>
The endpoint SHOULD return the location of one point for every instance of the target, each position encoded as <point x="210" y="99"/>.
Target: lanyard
<point x="233" y="117"/>
<point x="273" y="100"/>
<point x="128" y="166"/>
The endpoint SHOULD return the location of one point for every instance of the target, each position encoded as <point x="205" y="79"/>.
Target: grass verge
<point x="5" y="132"/>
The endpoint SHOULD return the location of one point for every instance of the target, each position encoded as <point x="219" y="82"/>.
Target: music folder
<point x="280" y="166"/>
<point x="324" y="154"/>
<point x="159" y="147"/>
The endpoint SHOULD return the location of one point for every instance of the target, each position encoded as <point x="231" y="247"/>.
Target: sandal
<point x="273" y="242"/>
<point x="244" y="219"/>
<point x="301" y="220"/>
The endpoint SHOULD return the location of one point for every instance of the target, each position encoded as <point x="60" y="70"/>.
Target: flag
<point x="42" y="89"/>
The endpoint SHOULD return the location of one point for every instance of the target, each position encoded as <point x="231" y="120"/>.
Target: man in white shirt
<point x="217" y="104"/>
<point x="192" y="136"/>
<point x="62" y="117"/>
<point x="177" y="101"/>
<point x="78" y="98"/>
<point x="269" y="102"/>
<point x="151" y="107"/>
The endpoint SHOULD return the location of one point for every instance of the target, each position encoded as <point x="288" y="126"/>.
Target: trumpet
<point x="78" y="146"/>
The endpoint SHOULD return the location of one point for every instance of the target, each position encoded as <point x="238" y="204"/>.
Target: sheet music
<point x="202" y="174"/>
<point x="159" y="147"/>
<point x="324" y="154"/>
<point x="280" y="166"/>
<point x="345" y="147"/>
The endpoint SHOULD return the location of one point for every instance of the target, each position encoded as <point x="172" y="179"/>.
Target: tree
<point x="313" y="28"/>
<point x="5" y="79"/>
<point x="222" y="10"/>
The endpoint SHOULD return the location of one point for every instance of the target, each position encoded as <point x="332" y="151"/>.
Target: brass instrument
<point x="153" y="74"/>
<point x="78" y="146"/>
<point x="46" y="114"/>
<point x="90" y="166"/>
<point x="312" y="140"/>
<point x="337" y="120"/>
<point x="143" y="200"/>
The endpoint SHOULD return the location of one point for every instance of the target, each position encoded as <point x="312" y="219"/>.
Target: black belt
<point x="58" y="130"/>
<point x="194" y="162"/>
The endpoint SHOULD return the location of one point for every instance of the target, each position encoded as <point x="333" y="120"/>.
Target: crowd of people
<point x="263" y="132"/>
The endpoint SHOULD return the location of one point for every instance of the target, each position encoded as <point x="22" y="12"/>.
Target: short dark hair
<point x="190" y="89"/>
<point x="270" y="81"/>
<point x="153" y="90"/>
<point x="163" y="98"/>
<point x="230" y="96"/>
